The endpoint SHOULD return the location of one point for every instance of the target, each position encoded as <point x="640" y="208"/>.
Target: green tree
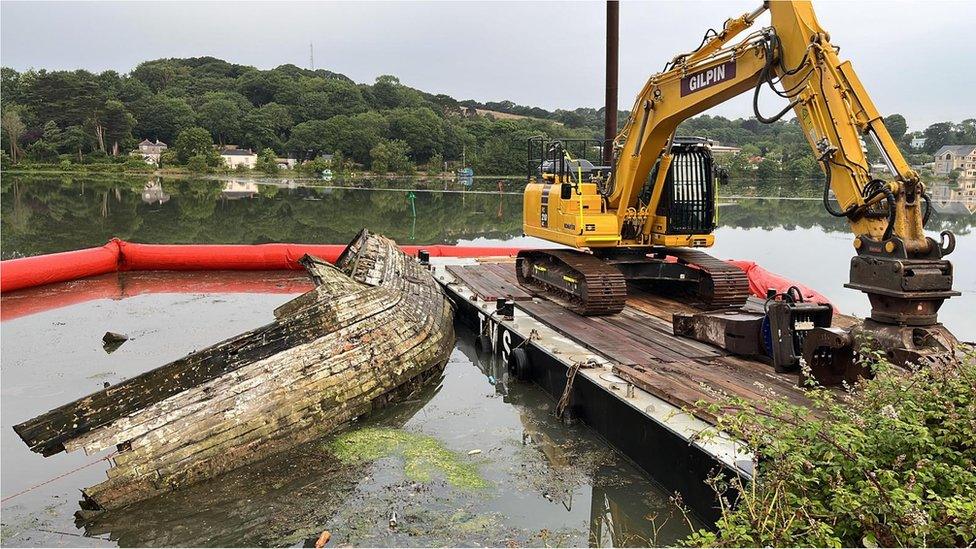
<point x="158" y="74"/>
<point x="261" y="87"/>
<point x="198" y="164"/>
<point x="162" y="117"/>
<point x="897" y="126"/>
<point x="221" y="115"/>
<point x="267" y="162"/>
<point x="112" y="126"/>
<point x="168" y="158"/>
<point x="42" y="151"/>
<point x="13" y="128"/>
<point x="436" y="164"/>
<point x="338" y="163"/>
<point x="936" y="135"/>
<point x="267" y="126"/>
<point x="769" y="170"/>
<point x="76" y="140"/>
<point x="328" y="98"/>
<point x="315" y="167"/>
<point x="52" y="134"/>
<point x="389" y="93"/>
<point x="353" y="135"/>
<point x="391" y="156"/>
<point x="195" y="142"/>
<point x="420" y="128"/>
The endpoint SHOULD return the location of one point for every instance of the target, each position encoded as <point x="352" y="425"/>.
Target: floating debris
<point x="112" y="341"/>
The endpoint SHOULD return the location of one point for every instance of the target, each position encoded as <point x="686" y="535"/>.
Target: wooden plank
<point x="508" y="285"/>
<point x="485" y="284"/>
<point x="676" y="369"/>
<point x="505" y="271"/>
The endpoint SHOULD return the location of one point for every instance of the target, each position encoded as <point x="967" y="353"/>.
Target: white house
<point x="918" y="142"/>
<point x="239" y="157"/>
<point x="150" y="152"/>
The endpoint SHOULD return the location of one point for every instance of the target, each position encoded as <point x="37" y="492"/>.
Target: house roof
<point x="958" y="150"/>
<point x="146" y="142"/>
<point x="236" y="152"/>
<point x="160" y="143"/>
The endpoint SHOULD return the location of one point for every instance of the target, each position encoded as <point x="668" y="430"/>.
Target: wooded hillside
<point x="83" y="117"/>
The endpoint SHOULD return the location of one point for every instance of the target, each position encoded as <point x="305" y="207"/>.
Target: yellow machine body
<point x="830" y="104"/>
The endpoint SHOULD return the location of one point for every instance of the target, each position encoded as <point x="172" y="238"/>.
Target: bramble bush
<point x="890" y="462"/>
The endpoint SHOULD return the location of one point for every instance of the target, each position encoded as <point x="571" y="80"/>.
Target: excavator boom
<point x="657" y="196"/>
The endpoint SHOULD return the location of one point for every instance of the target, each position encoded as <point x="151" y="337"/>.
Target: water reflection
<point x="624" y="507"/>
<point x="955" y="200"/>
<point x="45" y="215"/>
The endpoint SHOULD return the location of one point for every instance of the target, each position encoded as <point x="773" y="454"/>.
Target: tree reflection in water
<point x="41" y="214"/>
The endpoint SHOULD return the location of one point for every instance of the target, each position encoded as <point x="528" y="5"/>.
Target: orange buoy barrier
<point x="29" y="272"/>
<point x="761" y="281"/>
<point x="119" y="255"/>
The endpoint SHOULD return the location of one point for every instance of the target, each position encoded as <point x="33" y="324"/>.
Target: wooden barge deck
<point x="643" y="393"/>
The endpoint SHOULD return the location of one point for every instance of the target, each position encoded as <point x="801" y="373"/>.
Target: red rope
<point x="61" y="476"/>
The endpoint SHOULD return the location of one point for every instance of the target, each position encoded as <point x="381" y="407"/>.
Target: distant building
<point x="150" y="151"/>
<point x="918" y="142"/>
<point x="286" y="163"/>
<point x="239" y="157"/>
<point x="235" y="190"/>
<point x="951" y="157"/>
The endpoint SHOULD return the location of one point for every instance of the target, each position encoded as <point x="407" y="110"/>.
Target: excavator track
<point x="723" y="284"/>
<point x="576" y="280"/>
<point x="593" y="285"/>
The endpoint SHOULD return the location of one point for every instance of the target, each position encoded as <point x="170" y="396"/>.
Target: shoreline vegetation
<point x="889" y="462"/>
<point x="304" y="175"/>
<point x="197" y="106"/>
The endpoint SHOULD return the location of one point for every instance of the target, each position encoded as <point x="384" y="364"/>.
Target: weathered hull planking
<point x="375" y="322"/>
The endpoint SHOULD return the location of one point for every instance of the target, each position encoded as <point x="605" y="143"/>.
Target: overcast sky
<point x="915" y="57"/>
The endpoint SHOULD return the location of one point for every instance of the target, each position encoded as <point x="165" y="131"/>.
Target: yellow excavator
<point x="646" y="214"/>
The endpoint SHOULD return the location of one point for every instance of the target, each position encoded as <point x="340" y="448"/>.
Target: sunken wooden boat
<point x="375" y="322"/>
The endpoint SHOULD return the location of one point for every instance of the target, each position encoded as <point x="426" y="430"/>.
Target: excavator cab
<point x="688" y="199"/>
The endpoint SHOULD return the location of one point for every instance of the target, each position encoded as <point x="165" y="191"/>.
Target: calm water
<point x="548" y="484"/>
<point x="781" y="226"/>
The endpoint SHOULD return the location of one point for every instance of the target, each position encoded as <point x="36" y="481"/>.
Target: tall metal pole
<point x="613" y="39"/>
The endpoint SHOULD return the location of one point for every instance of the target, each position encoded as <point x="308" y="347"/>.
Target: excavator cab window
<point x="565" y="160"/>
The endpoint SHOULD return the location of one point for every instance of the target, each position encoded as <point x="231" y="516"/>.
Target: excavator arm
<point x="655" y="200"/>
<point x="830" y="103"/>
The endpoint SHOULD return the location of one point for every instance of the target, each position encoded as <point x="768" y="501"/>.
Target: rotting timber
<point x="375" y="322"/>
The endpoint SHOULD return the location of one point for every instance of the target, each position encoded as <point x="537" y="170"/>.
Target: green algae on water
<point x="422" y="455"/>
